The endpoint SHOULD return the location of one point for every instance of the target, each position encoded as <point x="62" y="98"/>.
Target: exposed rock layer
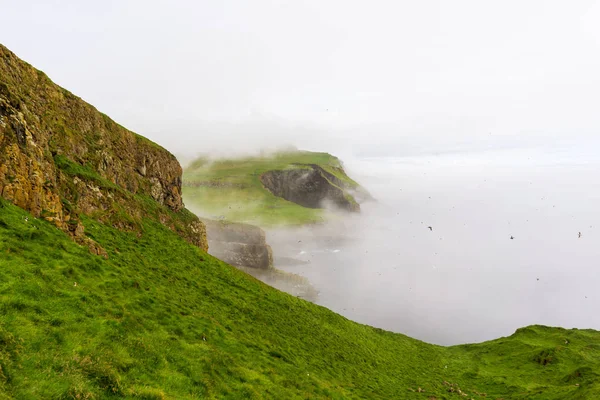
<point x="60" y="157"/>
<point x="241" y="245"/>
<point x="309" y="186"/>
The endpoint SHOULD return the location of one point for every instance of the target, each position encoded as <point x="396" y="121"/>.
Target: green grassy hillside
<point x="207" y="183"/>
<point x="152" y="316"/>
<point x="60" y="157"/>
<point x="161" y="319"/>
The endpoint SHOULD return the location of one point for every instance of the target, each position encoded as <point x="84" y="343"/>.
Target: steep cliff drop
<point x="244" y="246"/>
<point x="60" y="158"/>
<point x="240" y="245"/>
<point x="310" y="186"/>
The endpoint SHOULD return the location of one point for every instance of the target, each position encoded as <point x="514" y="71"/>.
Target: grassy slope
<point x="74" y="325"/>
<point x="238" y="181"/>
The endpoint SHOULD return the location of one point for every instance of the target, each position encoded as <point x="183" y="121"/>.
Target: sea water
<point x="514" y="241"/>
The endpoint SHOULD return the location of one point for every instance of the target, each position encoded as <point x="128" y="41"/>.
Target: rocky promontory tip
<point x="240" y="245"/>
<point x="309" y="186"/>
<point x="287" y="188"/>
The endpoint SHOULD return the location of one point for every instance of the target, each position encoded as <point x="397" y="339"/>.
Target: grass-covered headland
<point x="206" y="183"/>
<point x="162" y="319"/>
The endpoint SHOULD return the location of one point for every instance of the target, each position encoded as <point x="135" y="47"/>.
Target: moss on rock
<point x="60" y="157"/>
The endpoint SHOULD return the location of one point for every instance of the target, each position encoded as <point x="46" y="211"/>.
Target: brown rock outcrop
<point x="60" y="157"/>
<point x="309" y="186"/>
<point x="240" y="245"/>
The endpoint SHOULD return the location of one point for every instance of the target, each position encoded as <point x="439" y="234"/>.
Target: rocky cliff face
<point x="310" y="186"/>
<point x="60" y="157"/>
<point x="241" y="245"/>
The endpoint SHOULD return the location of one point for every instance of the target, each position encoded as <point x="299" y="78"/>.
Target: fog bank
<point x="382" y="76"/>
<point x="465" y="280"/>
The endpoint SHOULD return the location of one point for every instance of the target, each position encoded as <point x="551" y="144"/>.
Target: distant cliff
<point x="60" y="158"/>
<point x="279" y="189"/>
<point x="241" y="245"/>
<point x="310" y="186"/>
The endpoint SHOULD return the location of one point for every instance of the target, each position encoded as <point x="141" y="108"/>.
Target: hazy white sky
<point x="376" y="76"/>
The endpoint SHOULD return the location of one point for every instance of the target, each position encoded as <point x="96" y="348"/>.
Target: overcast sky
<point x="374" y="77"/>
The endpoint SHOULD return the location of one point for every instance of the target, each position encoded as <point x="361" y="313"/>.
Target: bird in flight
<point x="430" y="228"/>
<point x="512" y="237"/>
<point x="579" y="234"/>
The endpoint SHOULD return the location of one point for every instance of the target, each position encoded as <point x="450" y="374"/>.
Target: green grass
<point x="232" y="188"/>
<point x="251" y="205"/>
<point x="128" y="213"/>
<point x="162" y="319"/>
<point x="85" y="172"/>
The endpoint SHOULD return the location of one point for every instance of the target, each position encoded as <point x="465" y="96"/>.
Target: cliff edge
<point x="287" y="188"/>
<point x="309" y="185"/>
<point x="60" y="157"/>
<point x="240" y="245"/>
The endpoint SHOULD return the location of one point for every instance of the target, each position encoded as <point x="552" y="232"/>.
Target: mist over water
<point x="465" y="280"/>
<point x="234" y="78"/>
